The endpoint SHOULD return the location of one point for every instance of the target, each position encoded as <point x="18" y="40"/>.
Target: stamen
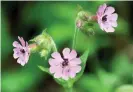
<point x="104" y="18"/>
<point x="22" y="50"/>
<point x="65" y="62"/>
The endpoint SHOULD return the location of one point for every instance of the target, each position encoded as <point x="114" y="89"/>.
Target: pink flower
<point x="106" y="18"/>
<point x="65" y="67"/>
<point x="21" y="51"/>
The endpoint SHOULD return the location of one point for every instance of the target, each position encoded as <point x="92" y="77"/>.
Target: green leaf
<point x="125" y="88"/>
<point x="84" y="60"/>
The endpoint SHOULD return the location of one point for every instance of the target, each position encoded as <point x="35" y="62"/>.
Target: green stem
<point x="69" y="89"/>
<point x="74" y="38"/>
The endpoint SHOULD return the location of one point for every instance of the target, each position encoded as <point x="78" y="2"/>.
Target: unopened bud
<point x="83" y="15"/>
<point x="85" y="22"/>
<point x="88" y="31"/>
<point x="86" y="16"/>
<point x="44" y="43"/>
<point x="44" y="52"/>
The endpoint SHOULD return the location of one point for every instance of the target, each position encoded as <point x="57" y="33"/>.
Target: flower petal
<point x="26" y="44"/>
<point x="114" y="16"/>
<point x="100" y="24"/>
<point x="75" y="69"/>
<point x="73" y="54"/>
<point x="58" y="73"/>
<point x="56" y="55"/>
<point x="114" y="24"/>
<point x="15" y="55"/>
<point x="21" y="61"/>
<point x="22" y="41"/>
<point x="107" y="25"/>
<point x="65" y="74"/>
<point x="101" y="9"/>
<point x="52" y="69"/>
<point x="72" y="74"/>
<point x="26" y="57"/>
<point x="66" y="52"/>
<point x="65" y="77"/>
<point x="16" y="50"/>
<point x="75" y="62"/>
<point x="109" y="10"/>
<point x="53" y="62"/>
<point x="111" y="29"/>
<point x="16" y="44"/>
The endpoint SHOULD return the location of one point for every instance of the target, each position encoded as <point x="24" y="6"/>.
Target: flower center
<point x="65" y="62"/>
<point x="22" y="50"/>
<point x="104" y="18"/>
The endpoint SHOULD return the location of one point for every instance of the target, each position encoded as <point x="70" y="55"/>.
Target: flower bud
<point x="44" y="53"/>
<point x="85" y="27"/>
<point x="88" y="31"/>
<point x="44" y="44"/>
<point x="85" y="21"/>
<point x="83" y="15"/>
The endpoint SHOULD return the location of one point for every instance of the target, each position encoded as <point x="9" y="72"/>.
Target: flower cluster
<point x="62" y="67"/>
<point x="65" y="66"/>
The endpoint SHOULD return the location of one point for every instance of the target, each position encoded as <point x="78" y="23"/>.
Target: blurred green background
<point x="109" y="65"/>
